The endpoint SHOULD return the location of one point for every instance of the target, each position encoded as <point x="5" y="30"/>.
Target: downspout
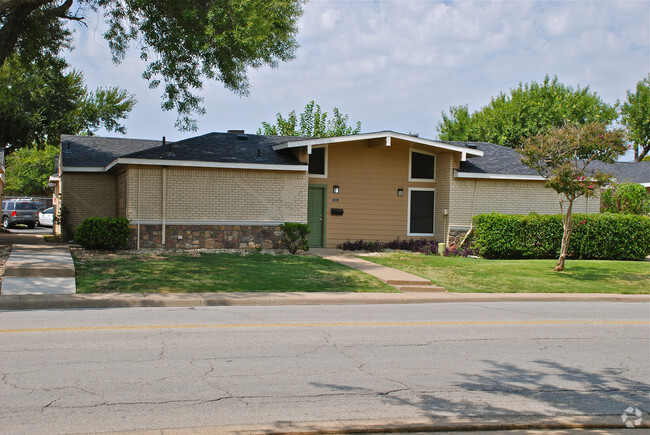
<point x="164" y="205"/>
<point x="137" y="213"/>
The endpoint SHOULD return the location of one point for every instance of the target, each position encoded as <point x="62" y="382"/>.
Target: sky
<point x="397" y="65"/>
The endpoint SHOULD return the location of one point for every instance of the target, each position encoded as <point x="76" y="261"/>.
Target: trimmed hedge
<point x="603" y="236"/>
<point x="103" y="233"/>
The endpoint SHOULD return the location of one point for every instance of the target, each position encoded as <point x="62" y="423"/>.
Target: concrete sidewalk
<point x="401" y="280"/>
<point x="45" y="269"/>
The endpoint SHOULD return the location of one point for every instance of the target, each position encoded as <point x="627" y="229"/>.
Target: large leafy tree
<point x="528" y="110"/>
<point x="182" y="41"/>
<point x="41" y="99"/>
<point x="28" y="170"/>
<point x="635" y="113"/>
<point x="313" y="122"/>
<point x="562" y="157"/>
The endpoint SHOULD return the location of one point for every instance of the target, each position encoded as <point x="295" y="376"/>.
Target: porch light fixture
<point x="335" y="189"/>
<point x="400" y="192"/>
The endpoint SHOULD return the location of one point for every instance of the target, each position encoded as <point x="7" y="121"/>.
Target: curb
<point x="441" y="424"/>
<point x="122" y="300"/>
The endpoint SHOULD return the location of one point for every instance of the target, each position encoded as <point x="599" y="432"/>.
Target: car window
<point x="11" y="206"/>
<point x="26" y="206"/>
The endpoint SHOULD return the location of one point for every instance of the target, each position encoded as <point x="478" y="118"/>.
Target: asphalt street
<point x="312" y="367"/>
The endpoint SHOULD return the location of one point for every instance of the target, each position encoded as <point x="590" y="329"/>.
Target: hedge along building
<point x="234" y="190"/>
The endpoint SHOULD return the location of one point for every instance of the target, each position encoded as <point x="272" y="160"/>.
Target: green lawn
<point x="217" y="273"/>
<point x="459" y="274"/>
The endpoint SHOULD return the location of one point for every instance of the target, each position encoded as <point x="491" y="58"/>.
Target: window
<point x="423" y="167"/>
<point x="318" y="162"/>
<point x="421" y="206"/>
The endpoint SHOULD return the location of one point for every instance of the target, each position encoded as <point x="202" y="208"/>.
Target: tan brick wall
<point x="87" y="194"/>
<point x="509" y="197"/>
<point x="120" y="208"/>
<point x="196" y="194"/>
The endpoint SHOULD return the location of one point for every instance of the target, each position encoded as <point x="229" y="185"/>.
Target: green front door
<point x="316" y="215"/>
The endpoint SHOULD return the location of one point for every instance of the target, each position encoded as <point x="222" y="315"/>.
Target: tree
<point x="636" y="117"/>
<point x="529" y="110"/>
<point x="40" y="100"/>
<point x="28" y="170"/>
<point x="313" y="123"/>
<point x="562" y="157"/>
<point x="626" y="198"/>
<point x="182" y="41"/>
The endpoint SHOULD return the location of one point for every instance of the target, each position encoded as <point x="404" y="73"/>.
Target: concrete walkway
<point x="403" y="281"/>
<point x="45" y="269"/>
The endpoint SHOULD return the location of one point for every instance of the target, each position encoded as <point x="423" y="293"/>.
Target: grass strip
<point x="210" y="272"/>
<point x="458" y="274"/>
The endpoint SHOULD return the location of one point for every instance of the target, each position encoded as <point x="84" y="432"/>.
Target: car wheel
<point x="31" y="226"/>
<point x="5" y="223"/>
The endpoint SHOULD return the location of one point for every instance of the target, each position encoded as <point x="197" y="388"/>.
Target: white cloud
<point x="398" y="64"/>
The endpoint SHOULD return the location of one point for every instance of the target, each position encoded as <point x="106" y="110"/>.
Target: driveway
<point x="24" y="235"/>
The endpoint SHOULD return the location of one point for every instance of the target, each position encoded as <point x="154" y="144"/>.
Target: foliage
<point x="313" y="123"/>
<point x="40" y="100"/>
<point x="628" y="198"/>
<point x="103" y="233"/>
<point x="423" y="246"/>
<point x="595" y="236"/>
<point x="529" y="110"/>
<point x="635" y="113"/>
<point x="28" y="170"/>
<point x="182" y="41"/>
<point x="562" y="158"/>
<point x="294" y="236"/>
<point x="456" y="251"/>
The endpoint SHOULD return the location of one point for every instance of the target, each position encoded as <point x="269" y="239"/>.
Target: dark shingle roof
<point x="498" y="159"/>
<point x="224" y="148"/>
<point x="94" y="151"/>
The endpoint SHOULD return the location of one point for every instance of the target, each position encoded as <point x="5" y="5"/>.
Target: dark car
<point x="16" y="212"/>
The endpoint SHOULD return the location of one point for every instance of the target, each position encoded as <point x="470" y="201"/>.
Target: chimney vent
<point x="236" y="131"/>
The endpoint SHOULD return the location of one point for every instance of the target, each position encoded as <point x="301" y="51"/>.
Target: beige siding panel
<point x="85" y="195"/>
<point x="196" y="194"/>
<point x="368" y="179"/>
<point x="509" y="197"/>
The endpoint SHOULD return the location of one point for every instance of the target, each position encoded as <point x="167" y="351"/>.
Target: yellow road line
<point x="325" y="324"/>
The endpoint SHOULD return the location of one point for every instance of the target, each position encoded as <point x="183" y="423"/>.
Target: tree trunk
<point x="566" y="235"/>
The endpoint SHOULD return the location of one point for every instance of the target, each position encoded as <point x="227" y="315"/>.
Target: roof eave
<point x="493" y="176"/>
<point x="379" y="135"/>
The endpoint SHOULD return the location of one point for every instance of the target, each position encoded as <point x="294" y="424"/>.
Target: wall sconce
<point x="335" y="189"/>
<point x="400" y="192"/>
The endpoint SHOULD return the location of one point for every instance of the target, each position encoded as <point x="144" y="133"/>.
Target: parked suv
<point x="17" y="211"/>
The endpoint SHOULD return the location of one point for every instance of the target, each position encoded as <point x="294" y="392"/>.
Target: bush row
<point x="595" y="236"/>
<point x="415" y="245"/>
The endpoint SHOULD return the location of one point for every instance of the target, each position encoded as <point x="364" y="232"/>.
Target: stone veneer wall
<point x="208" y="236"/>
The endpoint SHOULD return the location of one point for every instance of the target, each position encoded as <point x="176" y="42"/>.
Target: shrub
<point x="628" y="198"/>
<point x="424" y="246"/>
<point x="294" y="236"/>
<point x="103" y="233"/>
<point x="595" y="236"/>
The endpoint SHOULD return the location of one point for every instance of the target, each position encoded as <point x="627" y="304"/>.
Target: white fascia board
<point x="645" y="184"/>
<point x="53" y="179"/>
<point x="82" y="169"/>
<point x="383" y="134"/>
<point x="486" y="176"/>
<point x="197" y="164"/>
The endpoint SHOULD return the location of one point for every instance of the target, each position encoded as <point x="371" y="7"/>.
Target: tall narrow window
<point x="318" y="161"/>
<point x="421" y="206"/>
<point x="423" y="167"/>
